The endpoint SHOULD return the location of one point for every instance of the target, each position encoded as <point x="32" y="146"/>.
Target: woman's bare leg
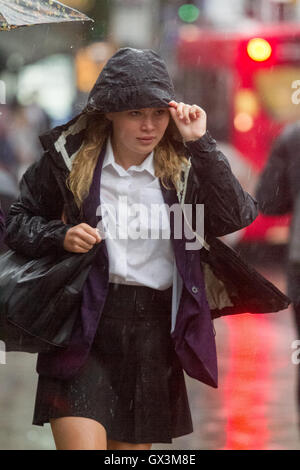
<point x="117" y="445"/>
<point x="73" y="433"/>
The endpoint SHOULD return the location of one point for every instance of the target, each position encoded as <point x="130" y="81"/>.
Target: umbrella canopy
<point x="18" y="13"/>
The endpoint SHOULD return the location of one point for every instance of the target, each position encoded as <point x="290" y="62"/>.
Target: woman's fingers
<point x="82" y="248"/>
<point x="89" y="233"/>
<point x="195" y="111"/>
<point x="81" y="243"/>
<point x="81" y="238"/>
<point x="190" y="120"/>
<point x="180" y="110"/>
<point x="186" y="112"/>
<point x="174" y="104"/>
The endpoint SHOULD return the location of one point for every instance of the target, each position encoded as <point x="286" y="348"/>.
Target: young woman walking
<point x="120" y="383"/>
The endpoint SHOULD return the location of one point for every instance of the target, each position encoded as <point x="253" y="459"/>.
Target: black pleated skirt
<point x="132" y="382"/>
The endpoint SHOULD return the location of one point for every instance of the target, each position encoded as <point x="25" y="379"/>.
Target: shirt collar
<point x="146" y="165"/>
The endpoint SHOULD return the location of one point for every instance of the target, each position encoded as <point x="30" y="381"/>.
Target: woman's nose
<point x="147" y="124"/>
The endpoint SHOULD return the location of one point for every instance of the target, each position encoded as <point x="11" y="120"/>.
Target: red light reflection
<point x="247" y="389"/>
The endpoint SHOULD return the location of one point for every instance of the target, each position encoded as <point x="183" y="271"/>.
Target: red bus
<point x="249" y="84"/>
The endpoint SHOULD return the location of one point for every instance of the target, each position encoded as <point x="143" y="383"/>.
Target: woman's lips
<point x="146" y="140"/>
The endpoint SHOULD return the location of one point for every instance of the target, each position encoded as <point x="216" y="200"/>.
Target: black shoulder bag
<point x="40" y="299"/>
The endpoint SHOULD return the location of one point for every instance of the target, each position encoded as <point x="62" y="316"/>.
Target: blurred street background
<point x="240" y="61"/>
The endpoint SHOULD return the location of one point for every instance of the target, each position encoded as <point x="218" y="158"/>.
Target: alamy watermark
<point x="2" y="93"/>
<point x="296" y="354"/>
<point x="2" y="353"/>
<point x="141" y="221"/>
<point x="296" y="93"/>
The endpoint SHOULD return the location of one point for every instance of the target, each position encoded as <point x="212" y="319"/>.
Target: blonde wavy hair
<point x="168" y="156"/>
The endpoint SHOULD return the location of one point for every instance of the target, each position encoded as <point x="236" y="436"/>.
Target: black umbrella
<point x="18" y="13"/>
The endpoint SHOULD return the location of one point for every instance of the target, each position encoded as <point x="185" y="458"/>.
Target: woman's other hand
<point x="81" y="238"/>
<point x="190" y="120"/>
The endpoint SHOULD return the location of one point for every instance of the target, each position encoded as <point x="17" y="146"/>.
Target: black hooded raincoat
<point x="209" y="282"/>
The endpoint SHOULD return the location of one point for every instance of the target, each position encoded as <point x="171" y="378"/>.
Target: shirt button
<point x="195" y="290"/>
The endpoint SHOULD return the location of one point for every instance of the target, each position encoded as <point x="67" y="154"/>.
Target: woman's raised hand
<point x="81" y="238"/>
<point x="190" y="120"/>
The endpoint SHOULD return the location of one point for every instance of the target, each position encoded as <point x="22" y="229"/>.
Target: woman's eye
<point x="160" y="112"/>
<point x="134" y="113"/>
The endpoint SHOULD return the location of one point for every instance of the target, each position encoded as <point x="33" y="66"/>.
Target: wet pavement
<point x="253" y="408"/>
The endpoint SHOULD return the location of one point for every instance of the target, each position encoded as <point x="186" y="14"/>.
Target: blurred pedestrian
<point x="8" y="158"/>
<point x="120" y="383"/>
<point x="8" y="189"/>
<point x="278" y="193"/>
<point x="23" y="136"/>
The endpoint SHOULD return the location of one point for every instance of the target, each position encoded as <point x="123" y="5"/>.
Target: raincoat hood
<point x="132" y="79"/>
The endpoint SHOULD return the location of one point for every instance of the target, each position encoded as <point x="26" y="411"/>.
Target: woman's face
<point x="139" y="131"/>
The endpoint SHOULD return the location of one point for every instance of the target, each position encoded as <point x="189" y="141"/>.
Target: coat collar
<point x="64" y="142"/>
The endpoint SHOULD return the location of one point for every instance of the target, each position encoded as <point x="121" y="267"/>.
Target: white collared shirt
<point x="145" y="260"/>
